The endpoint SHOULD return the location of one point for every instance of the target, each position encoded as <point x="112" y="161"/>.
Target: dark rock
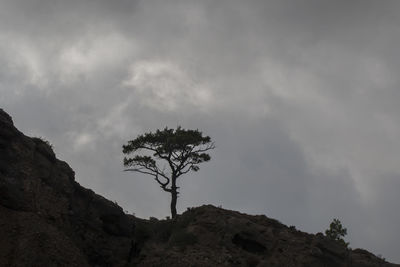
<point x="248" y="242"/>
<point x="5" y="118"/>
<point x="7" y="129"/>
<point x="48" y="219"/>
<point x="331" y="247"/>
<point x="45" y="149"/>
<point x="229" y="238"/>
<point x="316" y="252"/>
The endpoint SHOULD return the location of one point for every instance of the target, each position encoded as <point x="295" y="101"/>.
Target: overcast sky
<point x="300" y="96"/>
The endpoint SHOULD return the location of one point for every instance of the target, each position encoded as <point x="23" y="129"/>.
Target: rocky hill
<point x="48" y="219"/>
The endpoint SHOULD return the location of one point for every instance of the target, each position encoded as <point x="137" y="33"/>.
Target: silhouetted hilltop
<point x="48" y="219"/>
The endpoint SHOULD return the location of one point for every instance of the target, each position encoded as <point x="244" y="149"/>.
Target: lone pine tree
<point x="166" y="155"/>
<point x="336" y="232"/>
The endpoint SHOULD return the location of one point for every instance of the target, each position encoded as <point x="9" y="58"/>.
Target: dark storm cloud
<point x="300" y="96"/>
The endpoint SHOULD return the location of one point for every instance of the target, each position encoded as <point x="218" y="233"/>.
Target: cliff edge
<point x="46" y="217"/>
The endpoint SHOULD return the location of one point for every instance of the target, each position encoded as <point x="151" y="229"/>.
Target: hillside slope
<point x="211" y="236"/>
<point x="48" y="219"/>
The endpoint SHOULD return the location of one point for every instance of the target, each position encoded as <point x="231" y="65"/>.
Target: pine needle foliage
<point x="166" y="155"/>
<point x="336" y="232"/>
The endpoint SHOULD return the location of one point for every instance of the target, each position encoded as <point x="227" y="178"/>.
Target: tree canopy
<point x="166" y="155"/>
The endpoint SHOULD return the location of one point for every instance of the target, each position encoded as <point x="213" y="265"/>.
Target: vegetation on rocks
<point x="48" y="219"/>
<point x="336" y="232"/>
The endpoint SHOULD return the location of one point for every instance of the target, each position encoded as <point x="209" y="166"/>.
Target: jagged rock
<point x="48" y="219"/>
<point x="249" y="242"/>
<point x="230" y="238"/>
<point x="6" y="131"/>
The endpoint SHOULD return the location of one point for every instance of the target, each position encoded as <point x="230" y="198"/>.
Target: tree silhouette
<point x="166" y="155"/>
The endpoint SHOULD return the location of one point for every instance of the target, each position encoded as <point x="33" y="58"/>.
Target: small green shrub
<point x="336" y="232"/>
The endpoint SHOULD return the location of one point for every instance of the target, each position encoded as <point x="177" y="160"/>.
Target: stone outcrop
<point x="211" y="236"/>
<point x="48" y="219"/>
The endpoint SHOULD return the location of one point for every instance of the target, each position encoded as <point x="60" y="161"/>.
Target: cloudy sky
<point x="300" y="96"/>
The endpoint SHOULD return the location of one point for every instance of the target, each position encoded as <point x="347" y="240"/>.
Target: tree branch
<point x="186" y="171"/>
<point x="208" y="147"/>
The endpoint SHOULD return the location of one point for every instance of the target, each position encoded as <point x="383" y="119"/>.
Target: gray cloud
<point x="301" y="98"/>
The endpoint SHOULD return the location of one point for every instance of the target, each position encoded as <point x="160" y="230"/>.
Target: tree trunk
<point x="174" y="197"/>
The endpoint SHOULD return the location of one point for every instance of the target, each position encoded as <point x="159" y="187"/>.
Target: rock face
<point x="48" y="219"/>
<point x="210" y="236"/>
